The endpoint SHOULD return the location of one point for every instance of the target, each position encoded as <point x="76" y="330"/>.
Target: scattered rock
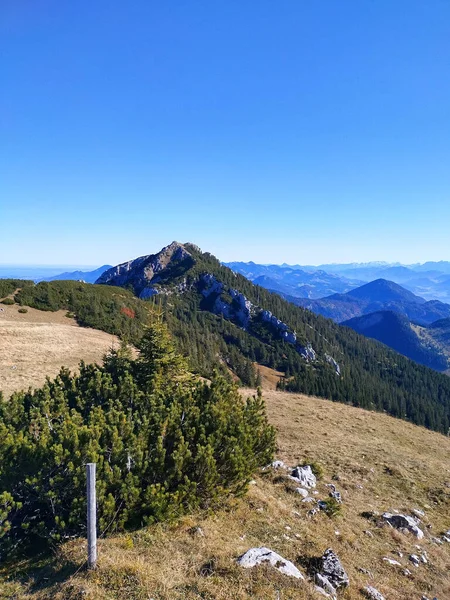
<point x="277" y="464"/>
<point x="418" y="513"/>
<point x="304" y="476"/>
<point x="415" y="560"/>
<point x="334" y="364"/>
<point x="330" y="575"/>
<point x="403" y="523"/>
<point x="372" y="593"/>
<point x="302" y="492"/>
<point x="334" y="493"/>
<point x="197" y="531"/>
<point x="392" y="562"/>
<point x="368" y="533"/>
<point x="258" y="556"/>
<point x="406" y="572"/>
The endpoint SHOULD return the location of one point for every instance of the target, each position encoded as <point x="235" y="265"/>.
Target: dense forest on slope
<point x="413" y="341"/>
<point x="371" y="375"/>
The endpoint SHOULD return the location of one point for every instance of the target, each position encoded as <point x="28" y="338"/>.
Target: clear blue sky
<point x="304" y="131"/>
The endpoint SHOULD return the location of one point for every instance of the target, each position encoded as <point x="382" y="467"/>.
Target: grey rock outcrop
<point x="258" y="556"/>
<point x="372" y="593"/>
<point x="304" y="476"/>
<point x="308" y="352"/>
<point x="333" y="363"/>
<point x="282" y="329"/>
<point x="211" y="285"/>
<point x="403" y="523"/>
<point x="144" y="272"/>
<point x="330" y="574"/>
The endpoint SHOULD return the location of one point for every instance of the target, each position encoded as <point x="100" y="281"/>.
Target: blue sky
<point x="293" y="131"/>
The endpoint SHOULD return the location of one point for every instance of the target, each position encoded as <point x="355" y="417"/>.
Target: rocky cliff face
<point x="146" y="271"/>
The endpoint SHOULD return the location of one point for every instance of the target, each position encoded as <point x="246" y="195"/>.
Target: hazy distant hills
<point x="430" y="280"/>
<point x="87" y="276"/>
<point x="379" y="295"/>
<point x="429" y="346"/>
<point x="294" y="280"/>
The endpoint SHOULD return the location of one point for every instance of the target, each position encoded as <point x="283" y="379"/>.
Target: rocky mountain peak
<point x="143" y="272"/>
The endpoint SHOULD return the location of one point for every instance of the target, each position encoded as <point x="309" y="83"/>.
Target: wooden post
<point x="91" y="516"/>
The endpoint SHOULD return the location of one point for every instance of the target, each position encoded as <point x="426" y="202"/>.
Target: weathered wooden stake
<point x="91" y="516"/>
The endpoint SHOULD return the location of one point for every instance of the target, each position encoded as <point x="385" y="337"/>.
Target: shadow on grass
<point x="39" y="572"/>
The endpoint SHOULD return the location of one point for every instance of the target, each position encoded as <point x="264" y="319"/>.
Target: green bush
<point x="23" y="311"/>
<point x="164" y="443"/>
<point x="333" y="508"/>
<point x="8" y="301"/>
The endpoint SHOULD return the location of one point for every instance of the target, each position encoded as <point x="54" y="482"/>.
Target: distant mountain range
<point x="379" y="295"/>
<point x="429" y="346"/>
<point x="430" y="280"/>
<point x="294" y="281"/>
<point x="86" y="276"/>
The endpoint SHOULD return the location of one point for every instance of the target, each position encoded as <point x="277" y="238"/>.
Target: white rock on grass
<point x="259" y="556"/>
<point x="392" y="562"/>
<point x="372" y="593"/>
<point x="304" y="476"/>
<point x="403" y="523"/>
<point x="303" y="493"/>
<point x="415" y="560"/>
<point x="277" y="464"/>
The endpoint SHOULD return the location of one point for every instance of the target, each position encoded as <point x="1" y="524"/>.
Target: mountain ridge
<point x="203" y="299"/>
<point x="413" y="341"/>
<point x="376" y="296"/>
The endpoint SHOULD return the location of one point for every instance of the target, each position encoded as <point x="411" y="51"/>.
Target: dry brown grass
<point x="380" y="464"/>
<point x="37" y="343"/>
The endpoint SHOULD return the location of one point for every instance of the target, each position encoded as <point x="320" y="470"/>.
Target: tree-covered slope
<point x="221" y="318"/>
<point x="397" y="332"/>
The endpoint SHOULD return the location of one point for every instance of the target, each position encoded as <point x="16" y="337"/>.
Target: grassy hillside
<point x="36" y="344"/>
<point x="378" y="463"/>
<point x="114" y="310"/>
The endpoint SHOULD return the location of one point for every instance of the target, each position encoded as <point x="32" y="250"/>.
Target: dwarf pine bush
<point x="164" y="444"/>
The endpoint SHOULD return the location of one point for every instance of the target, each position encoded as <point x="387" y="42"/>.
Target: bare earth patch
<point x="37" y="344"/>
